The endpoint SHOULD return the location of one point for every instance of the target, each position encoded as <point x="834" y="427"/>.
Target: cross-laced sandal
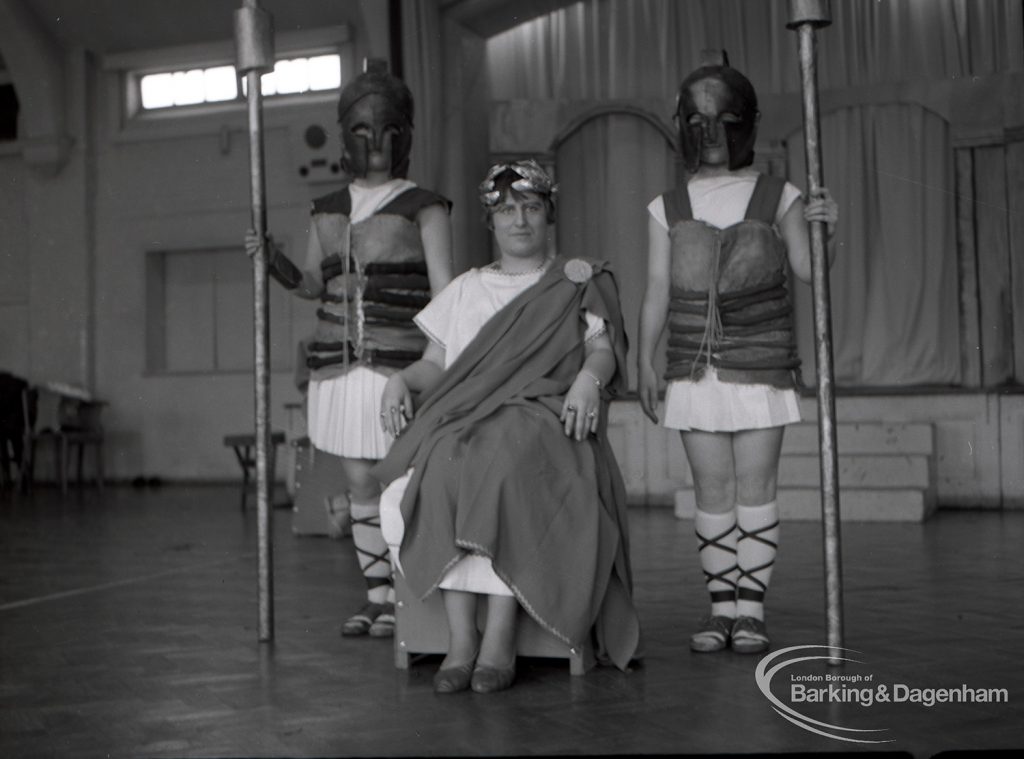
<point x="361" y="622"/>
<point x="713" y="635"/>
<point x="749" y="636"/>
<point x="384" y="624"/>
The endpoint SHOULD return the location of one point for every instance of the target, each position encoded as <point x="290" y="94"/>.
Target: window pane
<point x="188" y="87"/>
<point x="324" y="72"/>
<point x="200" y="314"/>
<point x="220" y="83"/>
<point x="233" y="310"/>
<point x="189" y="312"/>
<point x="157" y="90"/>
<point x="291" y="76"/>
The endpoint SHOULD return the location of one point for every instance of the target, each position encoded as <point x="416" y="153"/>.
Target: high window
<point x="220" y="84"/>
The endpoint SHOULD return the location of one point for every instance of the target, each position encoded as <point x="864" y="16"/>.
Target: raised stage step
<point x="886" y="473"/>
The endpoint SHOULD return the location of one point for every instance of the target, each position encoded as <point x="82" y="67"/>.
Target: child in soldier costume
<point x="720" y="251"/>
<point x="378" y="248"/>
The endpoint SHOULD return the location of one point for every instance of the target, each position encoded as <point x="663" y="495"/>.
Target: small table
<point x="244" y="447"/>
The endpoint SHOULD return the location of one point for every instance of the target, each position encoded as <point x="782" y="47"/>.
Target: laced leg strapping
<point x="372" y="551"/>
<point x="724" y="575"/>
<point x="755" y="546"/>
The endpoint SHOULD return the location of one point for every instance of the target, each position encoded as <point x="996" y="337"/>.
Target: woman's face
<point x="520" y="222"/>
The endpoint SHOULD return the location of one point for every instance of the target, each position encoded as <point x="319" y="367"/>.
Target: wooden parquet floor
<point x="128" y="629"/>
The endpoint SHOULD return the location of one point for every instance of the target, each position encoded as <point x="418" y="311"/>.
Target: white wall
<point x="179" y="186"/>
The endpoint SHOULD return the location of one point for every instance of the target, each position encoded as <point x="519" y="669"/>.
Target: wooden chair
<point x="421" y="627"/>
<point x="318" y="476"/>
<point x="71" y="423"/>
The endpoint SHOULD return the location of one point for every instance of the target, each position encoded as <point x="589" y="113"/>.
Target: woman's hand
<point x="821" y="207"/>
<point x="582" y="407"/>
<point x="395" y="405"/>
<point x="647" y="386"/>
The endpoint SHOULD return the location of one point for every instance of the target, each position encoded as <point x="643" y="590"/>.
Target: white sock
<point x="717" y="534"/>
<point x="372" y="551"/>
<point x="755" y="554"/>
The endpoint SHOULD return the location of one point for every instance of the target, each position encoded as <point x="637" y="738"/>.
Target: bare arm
<point x="581" y="409"/>
<point x="305" y="282"/>
<point x="436" y="235"/>
<point x="796" y="236"/>
<point x="653" y="313"/>
<point x="396" y="403"/>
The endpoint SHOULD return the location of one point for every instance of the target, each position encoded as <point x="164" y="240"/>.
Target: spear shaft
<point x="254" y="49"/>
<point x="806" y="16"/>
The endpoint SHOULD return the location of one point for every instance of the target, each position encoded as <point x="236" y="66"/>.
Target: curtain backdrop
<point x="889" y="166"/>
<point x="643" y="48"/>
<point x="422" y="71"/>
<point x="615" y="164"/>
<point x="894" y="282"/>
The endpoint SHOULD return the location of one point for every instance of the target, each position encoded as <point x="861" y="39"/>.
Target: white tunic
<point x="344" y="409"/>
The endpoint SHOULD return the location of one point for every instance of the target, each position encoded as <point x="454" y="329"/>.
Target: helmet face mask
<point x="375" y="111"/>
<point x="717" y="112"/>
<point x="376" y="136"/>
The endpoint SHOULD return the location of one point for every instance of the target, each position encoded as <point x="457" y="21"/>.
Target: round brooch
<point x="577" y="270"/>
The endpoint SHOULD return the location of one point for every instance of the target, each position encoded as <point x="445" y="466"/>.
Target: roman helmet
<point x="717" y="102"/>
<point x="375" y="113"/>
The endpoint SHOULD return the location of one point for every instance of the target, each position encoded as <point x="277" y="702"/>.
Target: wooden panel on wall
<point x="1015" y="203"/>
<point x="990" y="215"/>
<point x="978" y="445"/>
<point x="1011" y="447"/>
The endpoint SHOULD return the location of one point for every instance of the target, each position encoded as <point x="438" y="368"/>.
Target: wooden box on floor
<point x="422" y="628"/>
<point x="318" y="476"/>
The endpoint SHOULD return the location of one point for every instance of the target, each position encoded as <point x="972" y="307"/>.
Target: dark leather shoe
<point x="453" y="679"/>
<point x="491" y="680"/>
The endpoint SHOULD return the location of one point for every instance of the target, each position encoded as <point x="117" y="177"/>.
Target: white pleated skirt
<point x="470" y="574"/>
<point x="711" y="405"/>
<point x="344" y="414"/>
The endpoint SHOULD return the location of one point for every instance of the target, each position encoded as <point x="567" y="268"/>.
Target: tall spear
<point x="254" y="49"/>
<point x="805" y="16"/>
